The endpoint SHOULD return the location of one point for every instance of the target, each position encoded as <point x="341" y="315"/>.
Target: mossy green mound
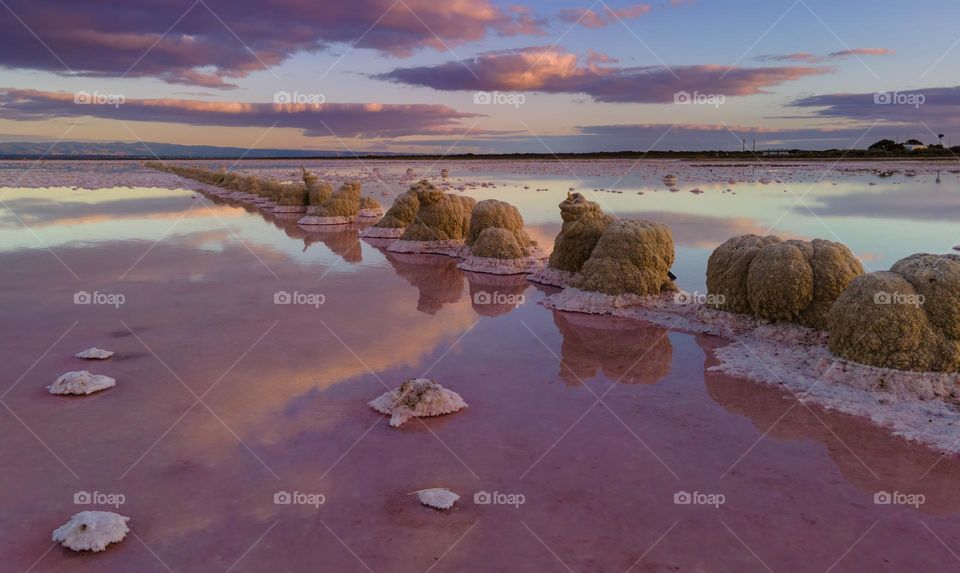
<point x="791" y="281"/>
<point x="497" y="243"/>
<point x="344" y="203"/>
<point x="441" y="216"/>
<point x="631" y="257"/>
<point x="583" y="225"/>
<point x="907" y="318"/>
<point x="493" y="214"/>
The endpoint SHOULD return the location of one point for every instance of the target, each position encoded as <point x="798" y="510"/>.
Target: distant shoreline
<point x="840" y="156"/>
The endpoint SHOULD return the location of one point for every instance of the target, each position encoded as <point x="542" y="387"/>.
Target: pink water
<point x="224" y="398"/>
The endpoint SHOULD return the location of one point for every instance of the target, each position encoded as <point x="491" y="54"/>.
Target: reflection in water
<point x="342" y="240"/>
<point x="496" y="295"/>
<point x="437" y="278"/>
<point x="625" y="350"/>
<point x="870" y="458"/>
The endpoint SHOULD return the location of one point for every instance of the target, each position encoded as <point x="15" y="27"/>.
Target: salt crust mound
<point x="403" y="212"/>
<point x="907" y="318"/>
<point x="94" y="353"/>
<point x="490" y="215"/>
<point x="92" y="531"/>
<point x="438" y="498"/>
<point x="923" y="407"/>
<point x="496" y="243"/>
<point x="631" y="257"/>
<point x="81" y="383"/>
<point x="417" y="398"/>
<point x="789" y="281"/>
<point x="441" y="216"/>
<point x="344" y="203"/>
<point x="583" y="225"/>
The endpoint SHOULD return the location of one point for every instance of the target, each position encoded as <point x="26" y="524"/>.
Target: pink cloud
<point x="589" y="18"/>
<point x="814" y="58"/>
<point x="218" y="40"/>
<point x="339" y="119"/>
<point x="552" y="70"/>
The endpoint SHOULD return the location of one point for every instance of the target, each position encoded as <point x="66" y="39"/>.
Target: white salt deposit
<point x="417" y="398"/>
<point x="92" y="531"/>
<point x="438" y="498"/>
<point x="81" y="383"/>
<point x="94" y="354"/>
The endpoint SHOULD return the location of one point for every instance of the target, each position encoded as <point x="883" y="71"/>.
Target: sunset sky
<point x="404" y="75"/>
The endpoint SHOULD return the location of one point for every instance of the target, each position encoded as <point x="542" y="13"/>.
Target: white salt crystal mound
<point x="81" y="383"/>
<point x="94" y="354"/>
<point x="438" y="498"/>
<point x="92" y="531"/>
<point x="417" y="398"/>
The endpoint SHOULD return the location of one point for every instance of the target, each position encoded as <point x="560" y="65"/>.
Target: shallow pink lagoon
<point x="598" y="425"/>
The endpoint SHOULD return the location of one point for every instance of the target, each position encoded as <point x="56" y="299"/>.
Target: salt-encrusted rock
<point x="94" y="354"/>
<point x="81" y="383"/>
<point x="401" y="215"/>
<point x="437" y="498"/>
<point x="369" y="208"/>
<point x="344" y="203"/>
<point x="631" y="257"/>
<point x="417" y="398"/>
<point x="92" y="531"/>
<point x="583" y="225"/>
<point x="441" y="216"/>
<point x="492" y="214"/>
<point x="907" y="318"/>
<point x="790" y="281"/>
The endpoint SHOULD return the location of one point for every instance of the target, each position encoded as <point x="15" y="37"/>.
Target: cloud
<point x="218" y="41"/>
<point x="816" y="59"/>
<point x="935" y="107"/>
<point x="553" y="70"/>
<point x="590" y="18"/>
<point x="317" y="120"/>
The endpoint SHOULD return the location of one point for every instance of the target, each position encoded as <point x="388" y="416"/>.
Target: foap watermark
<point x="299" y="298"/>
<point x="484" y="297"/>
<point x="898" y="98"/>
<point x="99" y="298"/>
<point x="99" y="498"/>
<point x="899" y="498"/>
<point x="284" y="97"/>
<point x="685" y="298"/>
<point x="97" y="98"/>
<point x="699" y="498"/>
<point x="498" y="498"/>
<point x="499" y="98"/>
<point x="299" y="498"/>
<point x="697" y="98"/>
<point x="912" y="299"/>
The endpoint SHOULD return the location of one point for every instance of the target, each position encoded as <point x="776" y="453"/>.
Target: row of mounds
<point x="907" y="318"/>
<point x="311" y="197"/>
<point x="489" y="236"/>
<point x="596" y="253"/>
